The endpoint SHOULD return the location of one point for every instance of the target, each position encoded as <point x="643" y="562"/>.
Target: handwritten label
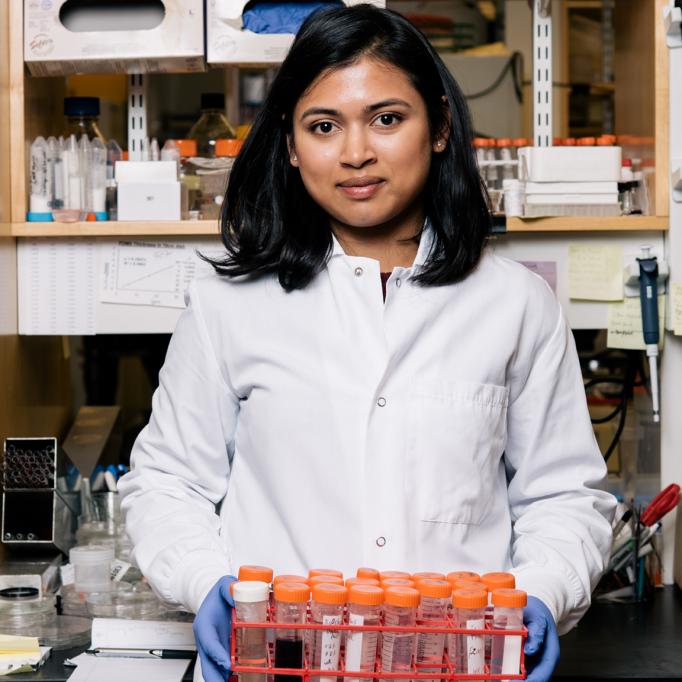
<point x="331" y="645"/>
<point x="676" y="307"/>
<point x="595" y="273"/>
<point x="625" y="324"/>
<point x="475" y="645"/>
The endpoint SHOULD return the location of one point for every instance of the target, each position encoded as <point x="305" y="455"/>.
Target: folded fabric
<point x="281" y="17"/>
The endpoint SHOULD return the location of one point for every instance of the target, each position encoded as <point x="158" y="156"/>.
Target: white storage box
<point x="147" y="190"/>
<point x="570" y="164"/>
<point x="60" y="38"/>
<point x="228" y="43"/>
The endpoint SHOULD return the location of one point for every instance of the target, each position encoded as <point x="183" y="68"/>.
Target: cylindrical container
<point x="492" y="171"/>
<point x="463" y="575"/>
<point x="362" y="581"/>
<point x="291" y="605"/>
<point x="289" y="578"/>
<point x="92" y="567"/>
<point x="324" y="571"/>
<point x="433" y="610"/>
<point x="467" y="652"/>
<point x="364" y="608"/>
<point x="251" y="604"/>
<point x="81" y="116"/>
<point x="508" y="608"/>
<point x="212" y="124"/>
<point x="365" y="572"/>
<point x="390" y="575"/>
<point x="325" y="580"/>
<point x="397" y="582"/>
<point x="258" y="573"/>
<point x="494" y="581"/>
<point x="397" y="648"/>
<point x="514" y="194"/>
<point x="327" y="609"/>
<point x="504" y="149"/>
<point x="428" y="575"/>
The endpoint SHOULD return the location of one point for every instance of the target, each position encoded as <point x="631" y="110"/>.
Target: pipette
<point x="648" y="294"/>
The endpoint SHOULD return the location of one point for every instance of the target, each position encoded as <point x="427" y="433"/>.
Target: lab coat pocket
<point x="457" y="439"/>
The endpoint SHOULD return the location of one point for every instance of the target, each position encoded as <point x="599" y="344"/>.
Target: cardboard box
<point x="148" y="190"/>
<point x="228" y="43"/>
<point x="130" y="39"/>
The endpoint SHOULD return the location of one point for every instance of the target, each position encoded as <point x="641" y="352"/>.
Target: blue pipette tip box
<point x="39" y="217"/>
<point x="101" y="215"/>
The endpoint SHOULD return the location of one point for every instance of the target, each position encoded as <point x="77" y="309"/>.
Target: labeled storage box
<point x="65" y="37"/>
<point x="570" y="164"/>
<point x="228" y="43"/>
<point x="148" y="190"/>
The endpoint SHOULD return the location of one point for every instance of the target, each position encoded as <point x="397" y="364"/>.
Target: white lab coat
<point x="446" y="429"/>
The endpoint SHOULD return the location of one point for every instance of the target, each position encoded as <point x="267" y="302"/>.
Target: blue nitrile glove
<point x="212" y="631"/>
<point x="542" y="645"/>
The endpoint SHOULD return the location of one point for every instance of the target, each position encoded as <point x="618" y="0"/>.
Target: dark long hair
<point x="269" y="222"/>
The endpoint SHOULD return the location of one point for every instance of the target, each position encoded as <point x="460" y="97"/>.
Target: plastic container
<point x="324" y="571"/>
<point x="291" y="604"/>
<point x="494" y="581"/>
<point x="427" y="575"/>
<point x="92" y="567"/>
<point x="190" y="192"/>
<point x="350" y="582"/>
<point x="463" y="575"/>
<point x="514" y="192"/>
<point x="365" y="572"/>
<point x="397" y="582"/>
<point x="255" y="573"/>
<point x="433" y="609"/>
<point x="504" y="150"/>
<point x="508" y="608"/>
<point x="364" y="608"/>
<point x="289" y="578"/>
<point x="251" y="598"/>
<point x="325" y="580"/>
<point x="390" y="575"/>
<point x="325" y="645"/>
<point x="467" y="652"/>
<point x="81" y="117"/>
<point x="127" y="604"/>
<point x="212" y="124"/>
<point x="397" y="648"/>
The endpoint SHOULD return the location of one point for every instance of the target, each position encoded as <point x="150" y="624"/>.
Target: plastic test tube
<point x="397" y="582"/>
<point x="288" y="578"/>
<point x="467" y="652"/>
<point x="435" y="599"/>
<point x="324" y="571"/>
<point x="325" y="579"/>
<point x="350" y="582"/>
<point x="390" y="575"/>
<point x="495" y="581"/>
<point x="39" y="209"/>
<point x="364" y="608"/>
<point x="397" y="648"/>
<point x="366" y="572"/>
<point x="97" y="179"/>
<point x="251" y="603"/>
<point x="463" y="575"/>
<point x="508" y="607"/>
<point x="428" y="575"/>
<point x="327" y="609"/>
<point x="259" y="573"/>
<point x="291" y="605"/>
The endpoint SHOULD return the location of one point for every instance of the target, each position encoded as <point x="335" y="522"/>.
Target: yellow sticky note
<point x="676" y="307"/>
<point x="625" y="324"/>
<point x="595" y="273"/>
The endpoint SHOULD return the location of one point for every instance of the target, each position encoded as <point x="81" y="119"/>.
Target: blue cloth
<point x="212" y="631"/>
<point x="281" y="17"/>
<point x="542" y="645"/>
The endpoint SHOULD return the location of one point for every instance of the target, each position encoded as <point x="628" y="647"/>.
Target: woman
<point x="302" y="419"/>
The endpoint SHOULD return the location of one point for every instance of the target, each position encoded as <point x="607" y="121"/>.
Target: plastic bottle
<point x="508" y="607"/>
<point x="190" y="180"/>
<point x="114" y="154"/>
<point x="366" y="572"/>
<point x="251" y="604"/>
<point x="625" y="188"/>
<point x="291" y="603"/>
<point x="213" y="176"/>
<point x="96" y="202"/>
<point x="327" y="609"/>
<point x="40" y="200"/>
<point x="92" y="567"/>
<point x="504" y="150"/>
<point x="364" y="608"/>
<point x="435" y="600"/>
<point x="258" y="573"/>
<point x="492" y="171"/>
<point x="81" y="116"/>
<point x="212" y="124"/>
<point x="480" y="145"/>
<point x="467" y="652"/>
<point x="397" y="648"/>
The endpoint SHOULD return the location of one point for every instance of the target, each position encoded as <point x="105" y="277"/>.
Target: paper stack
<point x="20" y="654"/>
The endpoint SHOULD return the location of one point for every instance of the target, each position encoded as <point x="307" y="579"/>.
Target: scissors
<point x="664" y="502"/>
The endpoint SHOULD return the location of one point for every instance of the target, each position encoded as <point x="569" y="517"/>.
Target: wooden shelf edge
<point x="187" y="228"/>
<point x="588" y="224"/>
<point x="5" y="229"/>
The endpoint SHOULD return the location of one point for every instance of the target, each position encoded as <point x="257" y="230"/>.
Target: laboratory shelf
<point x="5" y="230"/>
<point x="187" y="228"/>
<point x="588" y="224"/>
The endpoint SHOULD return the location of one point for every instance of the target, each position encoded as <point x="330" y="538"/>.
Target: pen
<point x="621" y="522"/>
<point x="143" y="653"/>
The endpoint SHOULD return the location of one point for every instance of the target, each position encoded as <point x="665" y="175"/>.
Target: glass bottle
<point x="81" y="117"/>
<point x="212" y="124"/>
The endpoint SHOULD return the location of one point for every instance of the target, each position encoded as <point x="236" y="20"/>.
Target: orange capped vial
<point x="400" y="609"/>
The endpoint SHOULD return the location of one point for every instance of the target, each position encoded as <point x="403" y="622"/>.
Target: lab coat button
<point x="359" y="272"/>
<point x="381" y="541"/>
<point x="398" y="282"/>
<point x="381" y="402"/>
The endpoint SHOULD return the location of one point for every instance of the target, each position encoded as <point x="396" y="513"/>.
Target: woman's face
<point x="362" y="143"/>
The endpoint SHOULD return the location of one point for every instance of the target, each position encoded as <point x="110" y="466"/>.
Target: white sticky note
<point x="595" y="273"/>
<point x="625" y="324"/>
<point x="676" y="307"/>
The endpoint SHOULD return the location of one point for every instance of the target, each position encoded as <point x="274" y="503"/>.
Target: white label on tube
<point x="354" y="643"/>
<point x="511" y="656"/>
<point x="475" y="652"/>
<point x="331" y="644"/>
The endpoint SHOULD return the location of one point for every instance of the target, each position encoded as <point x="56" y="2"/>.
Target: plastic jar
<point x="397" y="648"/>
<point x="251" y="599"/>
<point x="325" y="645"/>
<point x="435" y="600"/>
<point x="255" y="573"/>
<point x="508" y="608"/>
<point x="364" y="608"/>
<point x="467" y="652"/>
<point x="366" y="572"/>
<point x="92" y="567"/>
<point x="291" y="605"/>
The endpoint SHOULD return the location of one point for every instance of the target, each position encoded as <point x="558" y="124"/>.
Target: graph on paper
<point x="152" y="273"/>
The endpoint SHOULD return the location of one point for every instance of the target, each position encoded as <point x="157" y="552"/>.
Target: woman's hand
<point x="212" y="631"/>
<point x="542" y="645"/>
